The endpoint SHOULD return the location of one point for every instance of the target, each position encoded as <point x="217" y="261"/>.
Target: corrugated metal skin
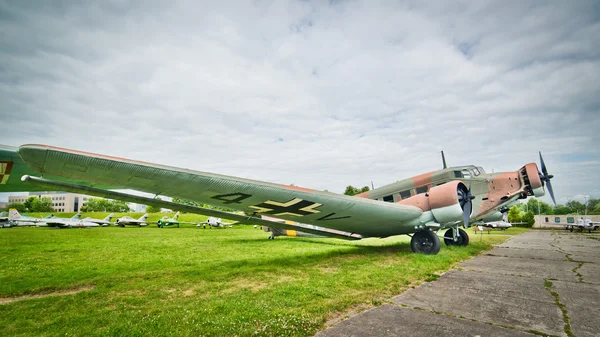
<point x="363" y="216"/>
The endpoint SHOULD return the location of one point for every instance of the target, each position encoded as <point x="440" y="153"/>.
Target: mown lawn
<point x="201" y="282"/>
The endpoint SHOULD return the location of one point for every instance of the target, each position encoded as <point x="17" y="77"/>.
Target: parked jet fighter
<point x="102" y="222"/>
<point x="215" y="222"/>
<point x="4" y="220"/>
<point x="418" y="206"/>
<point x="129" y="221"/>
<point x="502" y="225"/>
<point x="50" y="221"/>
<point x="16" y="219"/>
<point x="66" y="223"/>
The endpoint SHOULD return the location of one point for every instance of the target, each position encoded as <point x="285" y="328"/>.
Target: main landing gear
<point x="425" y="242"/>
<point x="462" y="239"/>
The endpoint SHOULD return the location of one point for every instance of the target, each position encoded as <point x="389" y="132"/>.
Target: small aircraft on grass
<point x="49" y="221"/>
<point x="216" y="222"/>
<point x="16" y="219"/>
<point x="4" y="220"/>
<point x="165" y="221"/>
<point x="129" y="221"/>
<point x="420" y="207"/>
<point x="102" y="222"/>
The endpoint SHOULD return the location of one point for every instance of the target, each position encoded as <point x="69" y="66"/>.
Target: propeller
<point x="465" y="198"/>
<point x="545" y="178"/>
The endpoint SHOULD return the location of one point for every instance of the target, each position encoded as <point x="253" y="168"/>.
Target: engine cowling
<point x="532" y="179"/>
<point x="441" y="200"/>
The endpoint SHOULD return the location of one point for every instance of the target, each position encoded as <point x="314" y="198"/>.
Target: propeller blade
<point x="545" y="177"/>
<point x="444" y="160"/>
<point x="467" y="213"/>
<point x="544" y="170"/>
<point x="549" y="186"/>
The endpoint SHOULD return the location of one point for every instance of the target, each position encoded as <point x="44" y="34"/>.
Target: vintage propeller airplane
<point x="419" y="206"/>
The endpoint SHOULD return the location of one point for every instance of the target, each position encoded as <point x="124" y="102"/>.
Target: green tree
<point x="351" y="190"/>
<point x="593" y="204"/>
<point x="514" y="214"/>
<point x="43" y="204"/>
<point x="562" y="210"/>
<point x="576" y="206"/>
<point x="529" y="218"/>
<point x="19" y="206"/>
<point x="29" y="203"/>
<point x="119" y="206"/>
<point x="104" y="205"/>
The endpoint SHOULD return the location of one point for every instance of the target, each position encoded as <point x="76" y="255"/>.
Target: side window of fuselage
<point x="405" y="194"/>
<point x="388" y="198"/>
<point x="422" y="189"/>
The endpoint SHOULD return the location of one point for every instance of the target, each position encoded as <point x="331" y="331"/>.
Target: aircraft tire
<point x="571" y="229"/>
<point x="425" y="242"/>
<point x="462" y="241"/>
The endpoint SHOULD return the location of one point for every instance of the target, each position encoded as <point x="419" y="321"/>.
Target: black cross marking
<point x="296" y="207"/>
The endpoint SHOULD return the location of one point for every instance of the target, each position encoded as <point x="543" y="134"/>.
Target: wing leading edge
<point x="349" y="214"/>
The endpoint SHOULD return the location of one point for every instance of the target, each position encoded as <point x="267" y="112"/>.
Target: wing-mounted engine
<point x="449" y="202"/>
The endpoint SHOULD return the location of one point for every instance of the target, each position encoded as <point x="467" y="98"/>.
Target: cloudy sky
<point x="318" y="94"/>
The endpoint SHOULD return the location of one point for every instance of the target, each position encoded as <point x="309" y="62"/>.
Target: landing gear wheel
<point x="463" y="238"/>
<point x="425" y="242"/>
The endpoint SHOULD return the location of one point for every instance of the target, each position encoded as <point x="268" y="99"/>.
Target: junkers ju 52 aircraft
<point x="419" y="206"/>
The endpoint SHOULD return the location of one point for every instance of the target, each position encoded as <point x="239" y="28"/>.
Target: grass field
<point x="201" y="282"/>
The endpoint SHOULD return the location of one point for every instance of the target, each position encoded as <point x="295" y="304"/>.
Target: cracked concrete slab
<point x="504" y="291"/>
<point x="590" y="273"/>
<point x="581" y="301"/>
<point x="489" y="298"/>
<point x="527" y="253"/>
<point x="560" y="270"/>
<point x="415" y="323"/>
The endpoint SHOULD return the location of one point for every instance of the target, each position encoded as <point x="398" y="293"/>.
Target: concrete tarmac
<point x="540" y="283"/>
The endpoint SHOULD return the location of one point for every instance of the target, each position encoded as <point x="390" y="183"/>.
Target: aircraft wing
<point x="12" y="168"/>
<point x="324" y="209"/>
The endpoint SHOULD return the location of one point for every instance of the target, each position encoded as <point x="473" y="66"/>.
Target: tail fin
<point x="176" y="216"/>
<point x="110" y="216"/>
<point x="13" y="214"/>
<point x="143" y="217"/>
<point x="76" y="216"/>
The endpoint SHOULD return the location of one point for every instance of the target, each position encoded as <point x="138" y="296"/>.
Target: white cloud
<point x="309" y="93"/>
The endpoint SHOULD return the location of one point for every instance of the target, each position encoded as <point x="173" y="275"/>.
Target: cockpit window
<point x="475" y="171"/>
<point x="481" y="170"/>
<point x="466" y="173"/>
<point x="458" y="174"/>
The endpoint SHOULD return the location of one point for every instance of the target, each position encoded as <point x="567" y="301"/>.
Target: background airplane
<point x="584" y="225"/>
<point x="72" y="222"/>
<point x="502" y="225"/>
<point x="215" y="222"/>
<point x="419" y="206"/>
<point x="16" y="219"/>
<point x="102" y="222"/>
<point x="129" y="221"/>
<point x="4" y="220"/>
